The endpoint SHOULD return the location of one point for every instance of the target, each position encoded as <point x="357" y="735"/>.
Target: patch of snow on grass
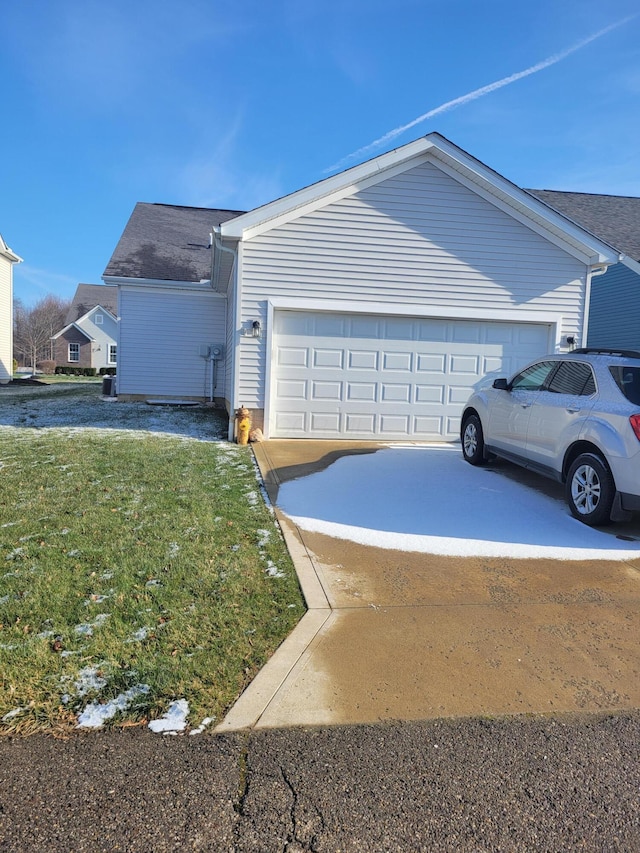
<point x="273" y="571"/>
<point x="89" y="680"/>
<point x="15" y="713"/>
<point x="175" y="720"/>
<point x="264" y="535"/>
<point x="86" y="628"/>
<point x="138" y="636"/>
<point x="95" y="715"/>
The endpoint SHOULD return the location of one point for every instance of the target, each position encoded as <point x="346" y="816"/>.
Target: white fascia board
<point x="516" y="201"/>
<point x="7" y="253"/>
<point x="634" y="266"/>
<point x="334" y="306"/>
<point x="322" y="192"/>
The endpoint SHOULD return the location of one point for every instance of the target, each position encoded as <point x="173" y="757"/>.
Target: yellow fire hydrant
<point x="243" y="425"/>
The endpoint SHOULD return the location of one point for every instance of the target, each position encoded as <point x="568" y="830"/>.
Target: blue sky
<point x="232" y="104"/>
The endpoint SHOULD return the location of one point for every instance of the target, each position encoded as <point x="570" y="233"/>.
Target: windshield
<point x="628" y="381"/>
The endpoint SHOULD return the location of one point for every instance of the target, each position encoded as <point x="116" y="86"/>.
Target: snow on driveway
<point x="428" y="499"/>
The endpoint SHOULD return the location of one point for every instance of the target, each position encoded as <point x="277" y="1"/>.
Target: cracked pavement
<point x="526" y="783"/>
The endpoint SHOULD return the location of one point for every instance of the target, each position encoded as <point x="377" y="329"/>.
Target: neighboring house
<point x="7" y="260"/>
<point x="614" y="308"/>
<point x="90" y="336"/>
<point x="367" y="305"/>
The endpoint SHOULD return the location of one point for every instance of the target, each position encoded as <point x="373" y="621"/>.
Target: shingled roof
<point x="613" y="218"/>
<point x="87" y="296"/>
<point x="167" y="242"/>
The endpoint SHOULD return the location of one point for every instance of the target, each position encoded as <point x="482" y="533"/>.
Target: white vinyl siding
<point x="416" y="240"/>
<point x="162" y="333"/>
<point x="6" y="321"/>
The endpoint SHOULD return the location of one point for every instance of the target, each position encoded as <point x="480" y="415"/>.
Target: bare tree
<point x="34" y="327"/>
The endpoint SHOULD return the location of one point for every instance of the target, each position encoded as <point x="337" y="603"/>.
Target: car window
<point x="628" y="381"/>
<point x="573" y="377"/>
<point x="533" y="377"/>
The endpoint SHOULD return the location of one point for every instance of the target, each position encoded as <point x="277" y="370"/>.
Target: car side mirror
<point x="501" y="384"/>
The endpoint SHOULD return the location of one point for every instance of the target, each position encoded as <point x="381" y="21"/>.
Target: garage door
<point x="380" y="377"/>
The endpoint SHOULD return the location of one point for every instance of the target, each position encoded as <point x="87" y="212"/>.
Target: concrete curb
<point x="254" y="701"/>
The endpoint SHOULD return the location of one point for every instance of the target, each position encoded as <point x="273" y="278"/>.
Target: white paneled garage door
<point x="381" y="377"/>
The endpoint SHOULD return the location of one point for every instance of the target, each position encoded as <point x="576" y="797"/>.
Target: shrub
<point x="107" y="371"/>
<point x="65" y="370"/>
<point x="48" y="367"/>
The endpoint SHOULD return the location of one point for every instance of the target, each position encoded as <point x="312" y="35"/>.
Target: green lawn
<point x="134" y="565"/>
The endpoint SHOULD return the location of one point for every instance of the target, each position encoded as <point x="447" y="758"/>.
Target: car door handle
<point x="525" y="405"/>
<point x="573" y="411"/>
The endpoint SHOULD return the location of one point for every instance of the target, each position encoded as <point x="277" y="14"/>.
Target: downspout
<point x="216" y="243"/>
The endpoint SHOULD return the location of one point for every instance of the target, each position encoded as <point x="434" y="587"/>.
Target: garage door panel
<point x="465" y="364"/>
<point x="290" y="423"/>
<point x="360" y="425"/>
<point x="361" y="391"/>
<point x="398" y="329"/>
<point x="427" y="426"/>
<point x="457" y="394"/>
<point x="429" y="393"/>
<point x="363" y="359"/>
<point x="397" y="361"/>
<point x="330" y="325"/>
<point x="358" y="376"/>
<point x="431" y="363"/>
<point x="328" y="422"/>
<point x="467" y="333"/>
<point x="328" y="358"/>
<point x="365" y="327"/>
<point x="293" y="356"/>
<point x="395" y="393"/>
<point x="432" y="330"/>
<point x="393" y="425"/>
<point x="292" y="389"/>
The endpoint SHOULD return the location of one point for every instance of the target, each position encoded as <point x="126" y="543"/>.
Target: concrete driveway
<point x="401" y="635"/>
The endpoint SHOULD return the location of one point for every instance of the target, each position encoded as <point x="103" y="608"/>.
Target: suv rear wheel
<point x="590" y="490"/>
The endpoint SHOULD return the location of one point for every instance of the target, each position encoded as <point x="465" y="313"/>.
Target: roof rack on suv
<point x="626" y="353"/>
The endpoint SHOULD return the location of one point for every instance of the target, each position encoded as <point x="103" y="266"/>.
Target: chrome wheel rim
<point x="586" y="489"/>
<point x="470" y="439"/>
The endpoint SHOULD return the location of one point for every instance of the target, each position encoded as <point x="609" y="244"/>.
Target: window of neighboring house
<point x="98" y="319"/>
<point x="74" y="352"/>
<point x="113" y="351"/>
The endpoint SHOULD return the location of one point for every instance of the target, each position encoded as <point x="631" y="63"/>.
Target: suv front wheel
<point x="590" y="490"/>
<point x="473" y="441"/>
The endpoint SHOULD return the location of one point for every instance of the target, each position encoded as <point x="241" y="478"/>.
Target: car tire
<point x="472" y="440"/>
<point x="590" y="490"/>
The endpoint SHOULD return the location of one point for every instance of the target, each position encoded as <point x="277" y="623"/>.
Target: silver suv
<point x="573" y="417"/>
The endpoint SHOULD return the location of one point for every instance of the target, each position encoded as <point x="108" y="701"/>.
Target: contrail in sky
<point x="478" y="93"/>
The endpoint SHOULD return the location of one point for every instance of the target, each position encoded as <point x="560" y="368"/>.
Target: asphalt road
<point x="513" y="784"/>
